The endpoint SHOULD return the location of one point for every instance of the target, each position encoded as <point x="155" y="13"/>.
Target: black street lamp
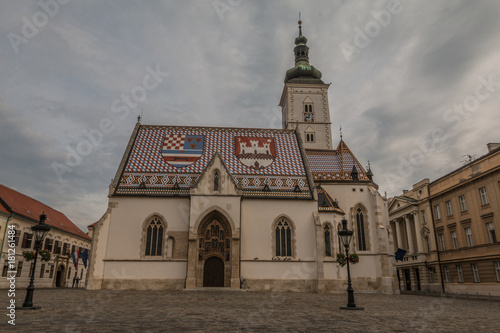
<point x="40" y="230"/>
<point x="346" y="236"/>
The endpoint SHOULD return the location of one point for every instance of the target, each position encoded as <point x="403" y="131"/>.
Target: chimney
<point x="492" y="146"/>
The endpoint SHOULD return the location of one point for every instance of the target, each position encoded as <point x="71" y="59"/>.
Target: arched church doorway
<point x="213" y="272"/>
<point x="214" y="251"/>
<point x="60" y="276"/>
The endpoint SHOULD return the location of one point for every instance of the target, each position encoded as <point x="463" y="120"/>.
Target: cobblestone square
<point x="79" y="310"/>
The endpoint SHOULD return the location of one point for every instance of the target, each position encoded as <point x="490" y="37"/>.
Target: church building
<point x="244" y="208"/>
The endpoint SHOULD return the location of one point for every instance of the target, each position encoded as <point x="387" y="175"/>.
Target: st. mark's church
<point x="244" y="208"/>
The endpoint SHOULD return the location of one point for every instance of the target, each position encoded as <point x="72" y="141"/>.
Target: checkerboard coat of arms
<point x="255" y="153"/>
<point x="180" y="150"/>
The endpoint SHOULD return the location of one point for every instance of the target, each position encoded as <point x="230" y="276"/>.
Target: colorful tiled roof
<point x="167" y="160"/>
<point x="326" y="203"/>
<point x="334" y="165"/>
<point x="30" y="208"/>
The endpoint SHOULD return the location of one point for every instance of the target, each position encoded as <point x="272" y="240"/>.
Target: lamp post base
<point x="28" y="307"/>
<point x="351" y="308"/>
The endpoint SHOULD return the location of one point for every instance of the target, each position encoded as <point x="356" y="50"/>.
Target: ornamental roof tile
<point x="15" y="202"/>
<point x="334" y="165"/>
<point x="168" y="160"/>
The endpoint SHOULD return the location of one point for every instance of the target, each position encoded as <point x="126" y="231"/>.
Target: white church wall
<point x="128" y="218"/>
<point x="260" y="268"/>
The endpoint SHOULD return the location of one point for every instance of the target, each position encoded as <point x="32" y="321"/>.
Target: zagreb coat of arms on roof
<point x="255" y="153"/>
<point x="181" y="150"/>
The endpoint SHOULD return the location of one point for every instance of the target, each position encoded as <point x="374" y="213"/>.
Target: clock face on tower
<point x="308" y="117"/>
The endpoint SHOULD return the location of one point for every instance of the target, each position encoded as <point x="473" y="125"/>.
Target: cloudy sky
<point x="415" y="85"/>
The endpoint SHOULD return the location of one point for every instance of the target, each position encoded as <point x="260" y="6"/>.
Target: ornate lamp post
<point x="40" y="230"/>
<point x="346" y="236"/>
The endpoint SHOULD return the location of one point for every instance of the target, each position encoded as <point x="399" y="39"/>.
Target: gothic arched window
<point x="339" y="241"/>
<point x="283" y="238"/>
<point x="154" y="237"/>
<point x="360" y="226"/>
<point x="216" y="180"/>
<point x="328" y="242"/>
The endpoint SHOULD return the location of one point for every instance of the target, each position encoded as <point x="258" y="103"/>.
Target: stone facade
<point x="448" y="227"/>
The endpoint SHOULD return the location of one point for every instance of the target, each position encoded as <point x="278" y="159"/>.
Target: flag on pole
<point x="84" y="255"/>
<point x="75" y="256"/>
<point x="400" y="253"/>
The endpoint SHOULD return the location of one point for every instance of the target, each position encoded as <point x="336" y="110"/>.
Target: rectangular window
<point x="73" y="248"/>
<point x="42" y="271"/>
<point x="491" y="232"/>
<point x="17" y="236"/>
<point x="428" y="244"/>
<point x="497" y="269"/>
<point x="57" y="247"/>
<point x="460" y="274"/>
<point x="484" y="196"/>
<point x="449" y="210"/>
<point x="438" y="213"/>
<point x="431" y="276"/>
<point x="27" y="239"/>
<point x="51" y="271"/>
<point x="441" y="242"/>
<point x="32" y="265"/>
<point x="48" y="244"/>
<point x="424" y="219"/>
<point x="463" y="204"/>
<point x="446" y="274"/>
<point x="454" y="239"/>
<point x="468" y="235"/>
<point x="19" y="269"/>
<point x="475" y="273"/>
<point x="65" y="250"/>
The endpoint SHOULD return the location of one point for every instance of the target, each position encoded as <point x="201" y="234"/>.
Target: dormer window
<point x="216" y="180"/>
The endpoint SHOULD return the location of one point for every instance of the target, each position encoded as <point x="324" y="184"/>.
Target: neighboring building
<point x="256" y="209"/>
<point x="466" y="209"/>
<point x="454" y="247"/>
<point x="411" y="223"/>
<point x="22" y="212"/>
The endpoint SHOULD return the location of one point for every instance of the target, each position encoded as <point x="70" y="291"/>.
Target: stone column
<point x="235" y="263"/>
<point x="192" y="259"/>
<point x="411" y="246"/>
<point x="420" y="244"/>
<point x="398" y="235"/>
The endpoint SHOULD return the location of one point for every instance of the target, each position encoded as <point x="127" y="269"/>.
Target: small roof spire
<point x="300" y="26"/>
<point x="340" y="132"/>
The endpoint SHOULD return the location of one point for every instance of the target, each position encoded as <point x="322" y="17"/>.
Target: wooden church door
<point x="213" y="272"/>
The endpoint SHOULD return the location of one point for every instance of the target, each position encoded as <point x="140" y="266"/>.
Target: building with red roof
<point x="19" y="212"/>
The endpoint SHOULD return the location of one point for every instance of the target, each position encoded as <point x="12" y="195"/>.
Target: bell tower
<point x="304" y="101"/>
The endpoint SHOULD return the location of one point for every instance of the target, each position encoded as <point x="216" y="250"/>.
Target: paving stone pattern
<point x="78" y="310"/>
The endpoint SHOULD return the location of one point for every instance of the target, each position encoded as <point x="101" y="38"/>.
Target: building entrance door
<point x="407" y="279"/>
<point x="213" y="272"/>
<point x="60" y="276"/>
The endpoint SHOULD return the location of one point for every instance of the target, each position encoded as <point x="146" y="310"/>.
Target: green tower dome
<point x="303" y="71"/>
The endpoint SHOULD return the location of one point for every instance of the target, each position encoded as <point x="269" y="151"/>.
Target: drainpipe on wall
<point x="5" y="232"/>
<point x="437" y="248"/>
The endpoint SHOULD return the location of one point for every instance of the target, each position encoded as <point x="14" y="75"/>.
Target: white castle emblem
<point x="255" y="153"/>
